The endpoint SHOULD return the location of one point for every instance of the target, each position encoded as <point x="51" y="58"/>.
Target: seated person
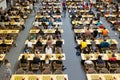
<point x="23" y="59"/>
<point x="99" y="60"/>
<point x="3" y="44"/>
<point x="41" y="32"/>
<point x="88" y="33"/>
<point x="45" y="19"/>
<point x="38" y="44"/>
<point x="48" y="50"/>
<point x="57" y="33"/>
<point x="58" y="50"/>
<point x="51" y="13"/>
<point x="105" y="32"/>
<point x="36" y="23"/>
<point x="36" y="59"/>
<point x="50" y="23"/>
<point x="112" y="59"/>
<point x="58" y="43"/>
<point x="72" y="11"/>
<point x="58" y="20"/>
<point x="88" y="61"/>
<point x="83" y="44"/>
<point x="101" y="27"/>
<point x="58" y="12"/>
<point x="29" y="44"/>
<point x="86" y="50"/>
<point x="98" y="23"/>
<point x="32" y="37"/>
<point x="93" y="45"/>
<point x="104" y="44"/>
<point x="95" y="33"/>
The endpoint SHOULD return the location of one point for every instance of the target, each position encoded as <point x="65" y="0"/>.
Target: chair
<point x="44" y="66"/>
<point x="117" y="70"/>
<point x="112" y="66"/>
<point x="99" y="66"/>
<point x="30" y="72"/>
<point x="57" y="66"/>
<point x="104" y="70"/>
<point x="91" y="71"/>
<point x="35" y="67"/>
<point x="87" y="66"/>
<point x="20" y="71"/>
<point x="46" y="71"/>
<point x="24" y="66"/>
<point x="58" y="71"/>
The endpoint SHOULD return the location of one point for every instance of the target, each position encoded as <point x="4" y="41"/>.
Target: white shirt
<point x="48" y="50"/>
<point x="29" y="44"/>
<point x="88" y="62"/>
<point x="36" y="23"/>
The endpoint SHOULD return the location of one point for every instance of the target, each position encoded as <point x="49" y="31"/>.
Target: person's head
<point x="104" y="39"/>
<point x="113" y="55"/>
<point x="93" y="39"/>
<point x="46" y="57"/>
<point x="84" y="39"/>
<point x="23" y="57"/>
<point x="87" y="57"/>
<point x="99" y="57"/>
<point x="6" y="61"/>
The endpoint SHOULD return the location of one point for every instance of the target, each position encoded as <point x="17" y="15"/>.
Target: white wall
<point x="3" y="4"/>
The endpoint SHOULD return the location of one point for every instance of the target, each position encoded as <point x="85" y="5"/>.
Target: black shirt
<point x="36" y="60"/>
<point x="59" y="43"/>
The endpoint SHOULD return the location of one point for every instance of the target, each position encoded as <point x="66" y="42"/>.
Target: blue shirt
<point x="98" y="23"/>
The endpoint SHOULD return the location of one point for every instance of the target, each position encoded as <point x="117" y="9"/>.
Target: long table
<point x="39" y="77"/>
<point x="54" y="23"/>
<point x="42" y="56"/>
<point x="43" y="41"/>
<point x="98" y="41"/>
<point x="103" y="76"/>
<point x="55" y="16"/>
<point x="45" y="30"/>
<point x="7" y="41"/>
<point x="84" y="30"/>
<point x="12" y="23"/>
<point x="105" y="56"/>
<point x="9" y="31"/>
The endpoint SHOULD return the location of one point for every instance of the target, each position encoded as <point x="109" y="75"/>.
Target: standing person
<point x="34" y="6"/>
<point x="8" y="71"/>
<point x="64" y="11"/>
<point x="63" y="4"/>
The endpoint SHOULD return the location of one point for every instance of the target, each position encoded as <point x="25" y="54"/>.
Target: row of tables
<point x="91" y="55"/>
<point x="42" y="55"/>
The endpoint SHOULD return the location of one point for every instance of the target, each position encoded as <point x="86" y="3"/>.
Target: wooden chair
<point x="46" y="71"/>
<point x="99" y="66"/>
<point x="20" y="71"/>
<point x="104" y="70"/>
<point x="117" y="70"/>
<point x="91" y="71"/>
<point x="24" y="66"/>
<point x="35" y="67"/>
<point x="58" y="71"/>
<point x="87" y="66"/>
<point x="57" y="66"/>
<point x="112" y="66"/>
<point x="44" y="66"/>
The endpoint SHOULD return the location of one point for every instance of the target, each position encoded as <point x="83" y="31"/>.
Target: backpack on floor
<point x="78" y="53"/>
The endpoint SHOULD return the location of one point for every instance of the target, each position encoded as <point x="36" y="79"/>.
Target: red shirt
<point x="63" y="3"/>
<point x="112" y="59"/>
<point x="101" y="26"/>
